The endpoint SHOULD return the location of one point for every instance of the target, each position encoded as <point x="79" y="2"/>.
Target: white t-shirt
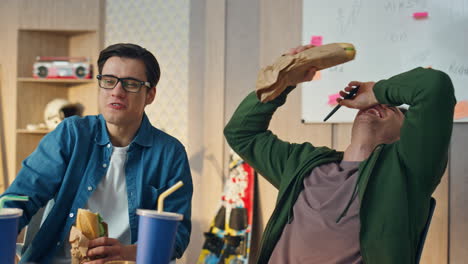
<point x="110" y="201"/>
<point x="110" y="197"/>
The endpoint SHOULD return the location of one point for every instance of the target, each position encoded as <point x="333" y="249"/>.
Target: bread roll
<point x="88" y="223"/>
<point x="290" y="70"/>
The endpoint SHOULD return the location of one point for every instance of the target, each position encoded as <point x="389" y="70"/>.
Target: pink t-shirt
<point x="313" y="236"/>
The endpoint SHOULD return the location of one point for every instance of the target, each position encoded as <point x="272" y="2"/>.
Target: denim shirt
<point x="68" y="165"/>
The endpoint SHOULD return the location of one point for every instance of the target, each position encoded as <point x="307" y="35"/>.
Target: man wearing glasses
<point x="112" y="163"/>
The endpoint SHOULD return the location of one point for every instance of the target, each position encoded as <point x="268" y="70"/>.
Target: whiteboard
<point x="388" y="41"/>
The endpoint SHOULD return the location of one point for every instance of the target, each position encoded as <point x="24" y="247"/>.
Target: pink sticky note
<point x="419" y="15"/>
<point x="332" y="99"/>
<point x="316" y="40"/>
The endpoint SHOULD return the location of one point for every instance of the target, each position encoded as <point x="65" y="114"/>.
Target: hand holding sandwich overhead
<point x="290" y="68"/>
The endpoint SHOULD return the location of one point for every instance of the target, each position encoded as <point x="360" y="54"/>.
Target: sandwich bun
<point x="88" y="223"/>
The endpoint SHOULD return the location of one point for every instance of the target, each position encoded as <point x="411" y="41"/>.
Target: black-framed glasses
<point x="130" y="85"/>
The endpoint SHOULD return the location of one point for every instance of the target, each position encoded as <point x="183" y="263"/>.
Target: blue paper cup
<point x="8" y="231"/>
<point x="156" y="236"/>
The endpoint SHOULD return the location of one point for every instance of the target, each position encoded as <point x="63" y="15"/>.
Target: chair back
<point x="33" y="227"/>
<point x="422" y="239"/>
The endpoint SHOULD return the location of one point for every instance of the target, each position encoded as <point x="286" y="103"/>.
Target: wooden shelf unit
<point x="62" y="81"/>
<point x="36" y="93"/>
<point x="27" y="131"/>
<point x="31" y="30"/>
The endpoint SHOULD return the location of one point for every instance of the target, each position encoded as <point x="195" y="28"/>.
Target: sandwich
<point x="289" y="70"/>
<point x="88" y="226"/>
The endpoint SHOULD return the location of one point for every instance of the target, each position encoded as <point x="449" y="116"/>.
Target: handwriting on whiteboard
<point x="458" y="9"/>
<point x="398" y="36"/>
<point x="399" y="5"/>
<point x="338" y="68"/>
<point x="458" y="69"/>
<point x="421" y="56"/>
<point x="345" y="22"/>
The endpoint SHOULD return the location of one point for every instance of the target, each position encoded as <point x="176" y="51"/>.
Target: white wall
<point x="162" y="27"/>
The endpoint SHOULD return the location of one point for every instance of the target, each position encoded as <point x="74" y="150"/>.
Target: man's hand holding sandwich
<point x="90" y="243"/>
<point x="109" y="249"/>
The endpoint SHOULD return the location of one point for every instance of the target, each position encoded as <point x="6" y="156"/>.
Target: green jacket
<point x="395" y="183"/>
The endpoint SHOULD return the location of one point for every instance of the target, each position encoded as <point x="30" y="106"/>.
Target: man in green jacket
<point x="368" y="204"/>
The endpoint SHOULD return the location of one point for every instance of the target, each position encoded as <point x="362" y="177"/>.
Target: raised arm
<point x="427" y="127"/>
<point x="426" y="131"/>
<point x="248" y="135"/>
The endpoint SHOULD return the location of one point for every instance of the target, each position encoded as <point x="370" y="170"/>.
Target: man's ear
<point x="150" y="95"/>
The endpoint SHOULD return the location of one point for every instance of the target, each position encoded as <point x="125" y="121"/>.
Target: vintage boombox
<point x="62" y="68"/>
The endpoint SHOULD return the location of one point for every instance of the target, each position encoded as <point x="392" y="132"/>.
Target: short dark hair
<point x="132" y="51"/>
